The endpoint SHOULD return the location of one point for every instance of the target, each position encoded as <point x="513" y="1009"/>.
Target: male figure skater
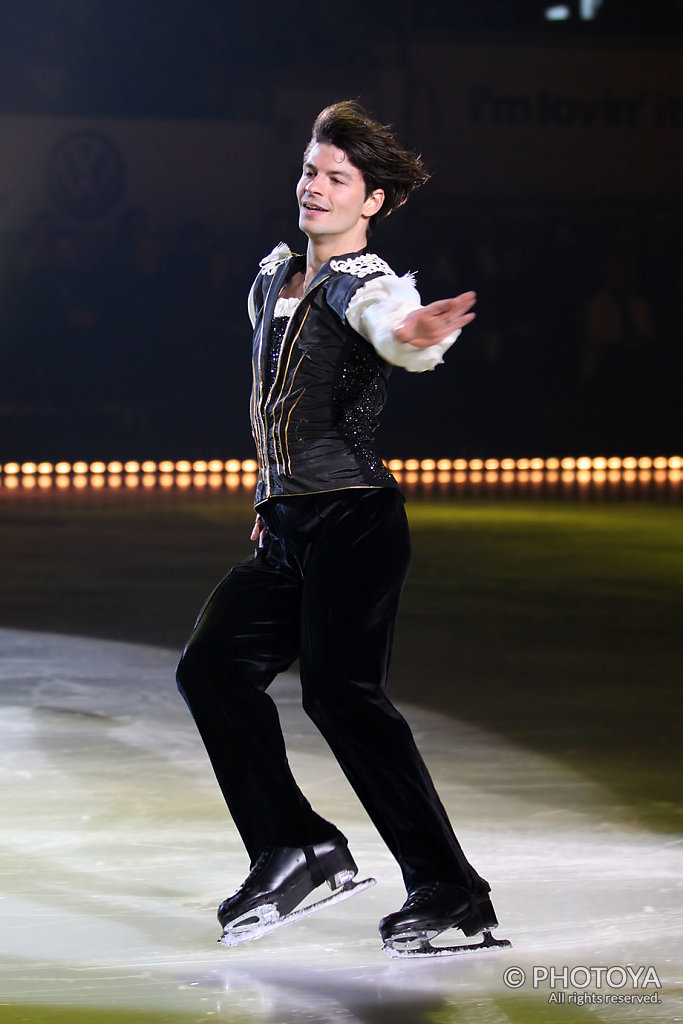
<point x="332" y="556"/>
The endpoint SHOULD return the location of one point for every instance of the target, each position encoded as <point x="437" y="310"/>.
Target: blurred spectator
<point x="618" y="323"/>
<point x="140" y="364"/>
<point x="55" y="315"/>
<point x="134" y="224"/>
<point x="36" y="250"/>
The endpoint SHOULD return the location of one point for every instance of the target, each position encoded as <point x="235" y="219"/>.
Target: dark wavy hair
<point x="371" y="148"/>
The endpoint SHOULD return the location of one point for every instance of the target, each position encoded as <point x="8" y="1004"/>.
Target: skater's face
<point x="333" y="200"/>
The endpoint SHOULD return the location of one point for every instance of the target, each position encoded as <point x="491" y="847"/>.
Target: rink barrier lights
<point x="437" y="474"/>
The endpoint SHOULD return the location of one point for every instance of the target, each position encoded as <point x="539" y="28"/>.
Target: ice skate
<point x="433" y="909"/>
<point x="281" y="878"/>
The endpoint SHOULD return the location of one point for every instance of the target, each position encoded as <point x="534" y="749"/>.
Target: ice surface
<point x="117" y="849"/>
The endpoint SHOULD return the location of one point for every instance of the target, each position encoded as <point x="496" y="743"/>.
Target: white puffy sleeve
<point x="251" y="304"/>
<point x="378" y="307"/>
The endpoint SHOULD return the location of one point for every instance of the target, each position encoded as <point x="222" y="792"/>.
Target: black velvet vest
<point x="315" y="404"/>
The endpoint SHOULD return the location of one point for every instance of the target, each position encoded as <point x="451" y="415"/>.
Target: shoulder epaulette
<point x="280" y="254"/>
<point x="361" y="266"/>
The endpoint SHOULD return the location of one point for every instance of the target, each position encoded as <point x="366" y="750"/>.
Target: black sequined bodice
<point x="360" y="396"/>
<point x="319" y="389"/>
<point x="277" y="333"/>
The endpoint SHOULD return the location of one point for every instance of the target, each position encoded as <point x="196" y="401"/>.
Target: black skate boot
<point x="279" y="880"/>
<point x="433" y="908"/>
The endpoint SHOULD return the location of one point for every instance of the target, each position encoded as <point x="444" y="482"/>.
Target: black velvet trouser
<point x="325" y="588"/>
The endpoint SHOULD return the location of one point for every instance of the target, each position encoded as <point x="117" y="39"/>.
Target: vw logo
<point x="86" y="175"/>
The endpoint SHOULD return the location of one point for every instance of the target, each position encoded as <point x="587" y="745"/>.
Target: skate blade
<point x="420" y="946"/>
<point x="265" y="923"/>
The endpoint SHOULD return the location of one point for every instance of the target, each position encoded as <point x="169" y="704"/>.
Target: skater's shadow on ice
<point x="405" y="993"/>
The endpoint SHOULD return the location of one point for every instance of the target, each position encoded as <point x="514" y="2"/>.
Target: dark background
<point x="127" y="337"/>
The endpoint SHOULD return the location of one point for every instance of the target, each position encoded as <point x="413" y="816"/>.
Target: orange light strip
<point x="235" y="472"/>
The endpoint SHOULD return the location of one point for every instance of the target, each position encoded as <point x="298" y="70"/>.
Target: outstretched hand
<point x="431" y="324"/>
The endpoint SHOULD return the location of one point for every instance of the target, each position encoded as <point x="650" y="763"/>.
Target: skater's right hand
<point x="258" y="534"/>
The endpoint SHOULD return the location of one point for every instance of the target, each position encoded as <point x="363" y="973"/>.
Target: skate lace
<point x="254" y="872"/>
<point x="261" y="859"/>
<point x="421" y="895"/>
